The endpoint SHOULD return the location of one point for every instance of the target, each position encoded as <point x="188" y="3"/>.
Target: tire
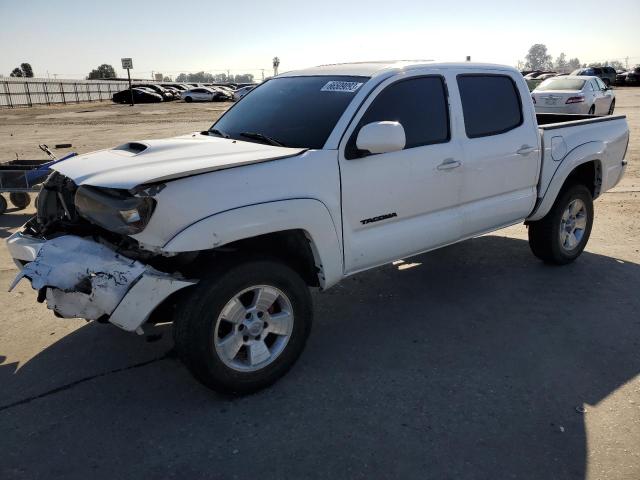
<point x="612" y="107"/>
<point x="545" y="235"/>
<point x="20" y="199"/>
<point x="592" y="110"/>
<point x="606" y="81"/>
<point x="202" y="326"/>
<point x="188" y="99"/>
<point x="3" y="205"/>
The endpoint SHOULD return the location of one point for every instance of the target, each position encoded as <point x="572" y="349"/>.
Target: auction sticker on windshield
<point x="337" y="86"/>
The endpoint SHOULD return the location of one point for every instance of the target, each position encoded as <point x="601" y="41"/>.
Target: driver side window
<point x="418" y="104"/>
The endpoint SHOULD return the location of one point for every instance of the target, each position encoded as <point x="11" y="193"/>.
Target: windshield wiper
<point x="215" y="131"/>
<point x="262" y="138"/>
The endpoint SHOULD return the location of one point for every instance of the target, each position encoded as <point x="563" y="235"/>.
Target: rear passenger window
<point x="419" y="104"/>
<point x="490" y="104"/>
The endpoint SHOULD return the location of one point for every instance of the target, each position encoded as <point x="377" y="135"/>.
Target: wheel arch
<point x="301" y="232"/>
<point x="582" y="165"/>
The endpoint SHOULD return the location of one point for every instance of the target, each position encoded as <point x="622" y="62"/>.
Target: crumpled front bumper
<point x="82" y="278"/>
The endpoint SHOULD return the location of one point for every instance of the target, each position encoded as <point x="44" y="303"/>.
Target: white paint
<point x="166" y="159"/>
<point x="381" y="137"/>
<point x="142" y="299"/>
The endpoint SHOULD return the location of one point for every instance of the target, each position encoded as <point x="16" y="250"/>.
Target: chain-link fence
<point x="26" y="92"/>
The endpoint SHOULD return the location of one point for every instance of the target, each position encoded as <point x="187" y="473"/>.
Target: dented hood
<point x="149" y="161"/>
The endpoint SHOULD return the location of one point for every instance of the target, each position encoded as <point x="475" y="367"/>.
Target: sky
<point x="68" y="38"/>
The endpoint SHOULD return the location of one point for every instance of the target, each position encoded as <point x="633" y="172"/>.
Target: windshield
<point x="561" y="84"/>
<point x="291" y="111"/>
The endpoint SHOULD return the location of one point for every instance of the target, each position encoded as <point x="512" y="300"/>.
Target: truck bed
<point x="568" y="140"/>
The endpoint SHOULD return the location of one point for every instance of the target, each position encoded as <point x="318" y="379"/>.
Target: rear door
<point x="501" y="151"/>
<point x="401" y="203"/>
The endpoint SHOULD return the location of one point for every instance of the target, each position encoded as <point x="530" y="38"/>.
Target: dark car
<point x="140" y="95"/>
<point x="181" y="87"/>
<point x="606" y="74"/>
<point x="166" y="95"/>
<point x="630" y="78"/>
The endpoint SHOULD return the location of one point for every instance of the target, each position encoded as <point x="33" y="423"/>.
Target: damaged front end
<point x="83" y="270"/>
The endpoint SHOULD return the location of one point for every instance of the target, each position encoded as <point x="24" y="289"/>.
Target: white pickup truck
<point x="313" y="176"/>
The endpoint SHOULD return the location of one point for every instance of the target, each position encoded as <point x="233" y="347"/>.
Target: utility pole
<point x="262" y="74"/>
<point x="626" y="63"/>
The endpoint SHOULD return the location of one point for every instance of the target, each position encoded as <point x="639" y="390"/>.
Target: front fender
<point x="306" y="214"/>
<point x="587" y="152"/>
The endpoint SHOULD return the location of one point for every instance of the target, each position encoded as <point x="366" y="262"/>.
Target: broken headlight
<point x="116" y="210"/>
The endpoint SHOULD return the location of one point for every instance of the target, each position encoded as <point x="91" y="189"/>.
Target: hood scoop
<point x="132" y="147"/>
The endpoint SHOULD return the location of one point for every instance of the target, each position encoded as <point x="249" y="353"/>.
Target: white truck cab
<point x="312" y="176"/>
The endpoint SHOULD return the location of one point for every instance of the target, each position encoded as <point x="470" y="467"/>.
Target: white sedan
<point x="199" y="94"/>
<point x="574" y="94"/>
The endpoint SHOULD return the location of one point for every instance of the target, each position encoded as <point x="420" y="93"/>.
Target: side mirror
<point x="381" y="137"/>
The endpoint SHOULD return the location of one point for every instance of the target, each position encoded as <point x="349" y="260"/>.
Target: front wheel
<point x="561" y="235"/>
<point x="243" y="328"/>
<point x="188" y="99"/>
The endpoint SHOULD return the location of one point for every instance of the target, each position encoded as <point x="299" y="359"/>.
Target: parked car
<point x="202" y="94"/>
<point x="140" y="95"/>
<point x="224" y="95"/>
<point x="178" y="86"/>
<point x="630" y="78"/>
<point x="167" y="95"/>
<point x="315" y="176"/>
<point x="545" y="76"/>
<point x="574" y="94"/>
<point x="607" y="74"/>
<point x="241" y="92"/>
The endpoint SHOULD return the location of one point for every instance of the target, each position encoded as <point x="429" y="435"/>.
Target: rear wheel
<point x="20" y="199"/>
<point x="188" y="99"/>
<point x="612" y="107"/>
<point x="3" y="205"/>
<point x="243" y="328"/>
<point x="561" y="236"/>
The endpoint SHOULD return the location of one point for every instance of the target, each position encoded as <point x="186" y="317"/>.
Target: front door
<point x="405" y="202"/>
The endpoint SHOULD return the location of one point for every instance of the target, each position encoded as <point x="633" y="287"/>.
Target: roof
<point x="375" y="68"/>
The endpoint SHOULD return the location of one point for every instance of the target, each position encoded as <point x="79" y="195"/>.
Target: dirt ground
<point x="479" y="362"/>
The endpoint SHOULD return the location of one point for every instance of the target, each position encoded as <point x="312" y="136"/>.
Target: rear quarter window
<point x="491" y="104"/>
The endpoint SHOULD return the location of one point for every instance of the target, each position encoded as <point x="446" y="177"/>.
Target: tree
<point x="617" y="65"/>
<point x="538" y="58"/>
<point x="561" y="63"/>
<point x="181" y="78"/>
<point x="243" y="78"/>
<point x="27" y="70"/>
<point x="167" y="79"/>
<point x="103" y="71"/>
<point x="573" y="63"/>
<point x="16" y="72"/>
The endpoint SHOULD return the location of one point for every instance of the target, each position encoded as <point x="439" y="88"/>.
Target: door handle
<point x="448" y="164"/>
<point x="525" y="150"/>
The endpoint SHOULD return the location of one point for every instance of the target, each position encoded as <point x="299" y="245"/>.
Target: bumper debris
<point x="85" y="279"/>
